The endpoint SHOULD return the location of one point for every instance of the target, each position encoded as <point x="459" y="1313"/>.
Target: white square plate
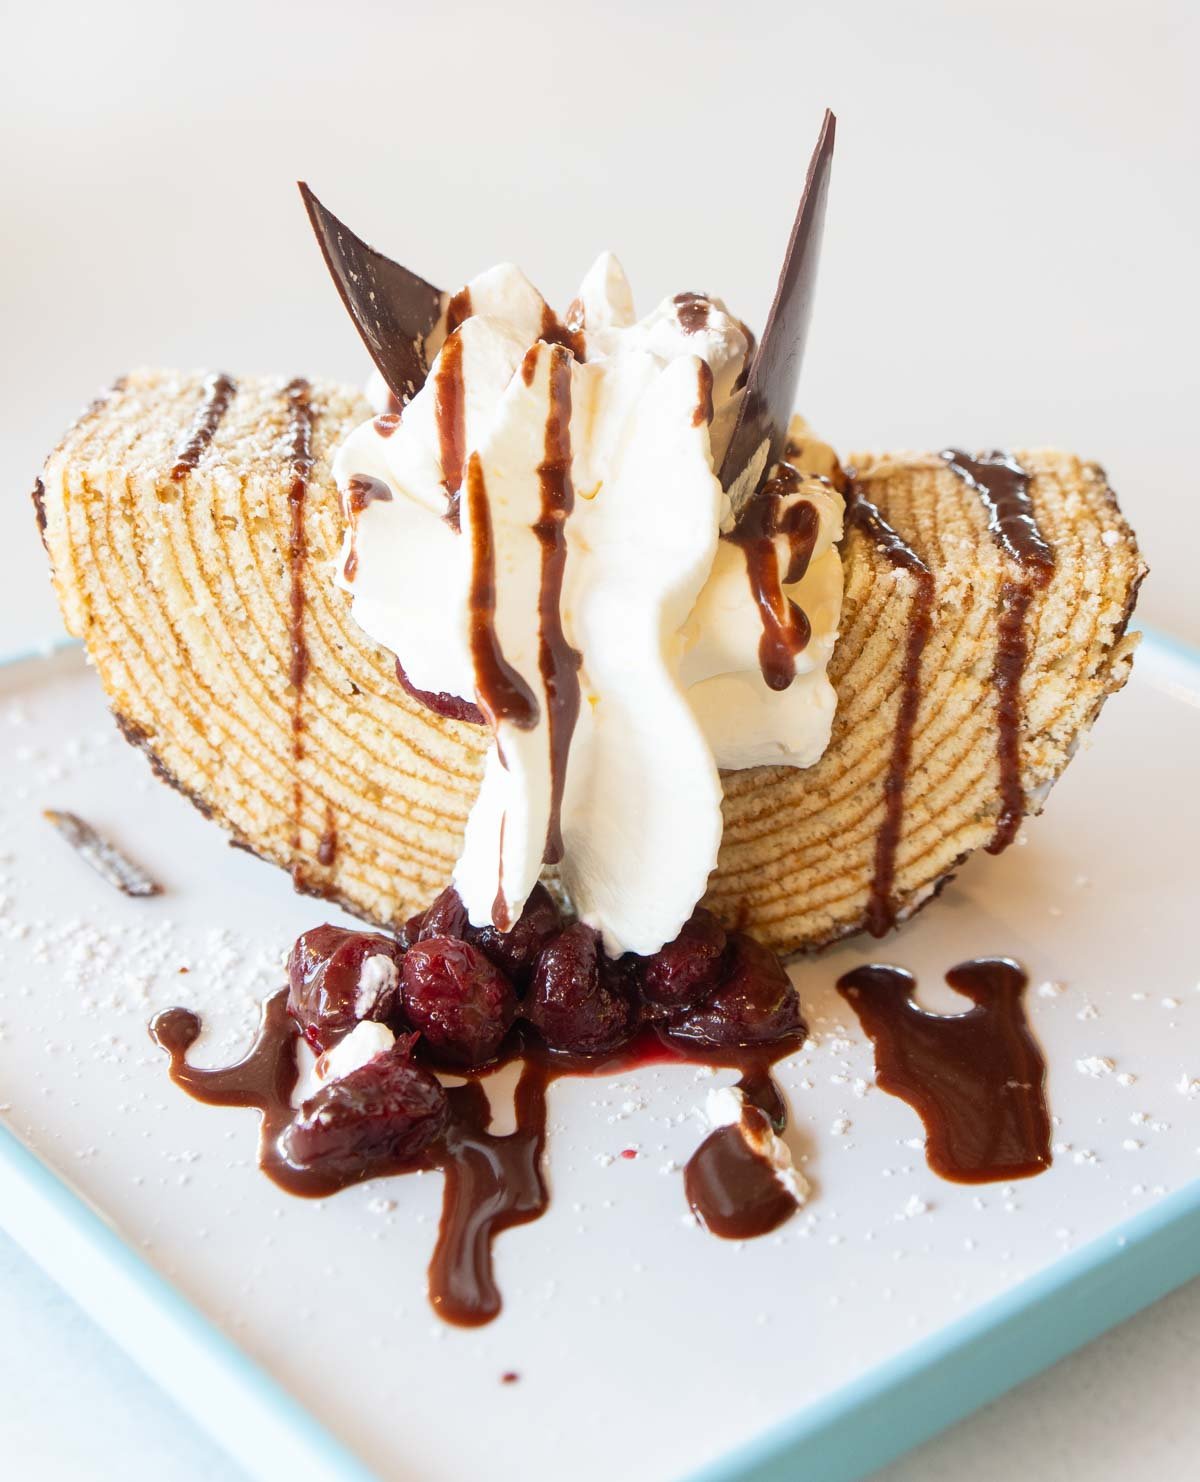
<point x="298" y="1331"/>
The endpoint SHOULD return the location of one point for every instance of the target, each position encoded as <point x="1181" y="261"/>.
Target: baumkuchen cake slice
<point x="191" y="523"/>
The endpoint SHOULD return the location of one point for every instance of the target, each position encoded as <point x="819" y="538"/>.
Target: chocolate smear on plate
<point x="976" y="1079"/>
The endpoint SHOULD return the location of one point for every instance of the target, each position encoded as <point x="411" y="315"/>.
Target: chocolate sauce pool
<point x="976" y="1080"/>
<point x="492" y="1182"/>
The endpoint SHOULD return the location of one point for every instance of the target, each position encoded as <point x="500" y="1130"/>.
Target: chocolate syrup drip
<point x="219" y="392"/>
<point x="387" y="422"/>
<point x="1008" y="669"/>
<point x="861" y="513"/>
<point x="555" y="332"/>
<point x="492" y="1182"/>
<point x="301" y="416"/>
<point x="361" y="491"/>
<point x="502" y="693"/>
<point x="785" y="627"/>
<point x="692" y="311"/>
<point x="558" y="662"/>
<point x="451" y="706"/>
<point x="977" y="1079"/>
<point x="703" y="414"/>
<point x="327" y="847"/>
<point x="458" y="309"/>
<point x="449" y="403"/>
<point x="264" y="1079"/>
<point x="1004" y="487"/>
<point x="731" y="1187"/>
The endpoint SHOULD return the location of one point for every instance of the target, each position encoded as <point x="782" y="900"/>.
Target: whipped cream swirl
<point x="541" y="540"/>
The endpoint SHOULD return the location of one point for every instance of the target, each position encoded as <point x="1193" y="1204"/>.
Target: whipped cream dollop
<point x="541" y="539"/>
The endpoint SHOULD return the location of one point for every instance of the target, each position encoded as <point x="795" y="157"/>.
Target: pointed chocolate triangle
<point x="770" y="397"/>
<point x="393" y="310"/>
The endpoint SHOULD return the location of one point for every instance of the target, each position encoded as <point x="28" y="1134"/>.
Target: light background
<point x="1011" y="258"/>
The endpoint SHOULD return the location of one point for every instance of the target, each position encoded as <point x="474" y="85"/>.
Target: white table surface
<point x="1010" y="258"/>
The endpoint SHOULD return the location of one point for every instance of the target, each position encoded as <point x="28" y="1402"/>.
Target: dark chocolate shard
<point x="775" y="371"/>
<point x="104" y="857"/>
<point x="393" y="309"/>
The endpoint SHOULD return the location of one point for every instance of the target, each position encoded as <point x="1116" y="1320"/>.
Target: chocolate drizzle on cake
<point x="865" y="516"/>
<point x="327" y="846"/>
<point x="977" y="1079"/>
<point x="765" y="517"/>
<point x="558" y="662"/>
<point x="219" y="391"/>
<point x="300" y="418"/>
<point x="503" y="695"/>
<point x="1004" y="486"/>
<point x="450" y="410"/>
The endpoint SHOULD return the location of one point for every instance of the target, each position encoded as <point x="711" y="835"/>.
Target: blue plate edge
<point x="907" y="1399"/>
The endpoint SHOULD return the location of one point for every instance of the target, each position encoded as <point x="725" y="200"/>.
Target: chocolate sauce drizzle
<point x="732" y="1189"/>
<point x="1003" y="485"/>
<point x="219" y="392"/>
<point x="765" y="517"/>
<point x="458" y="309"/>
<point x="977" y="1079"/>
<point x="361" y="490"/>
<point x="558" y="662"/>
<point x="692" y="310"/>
<point x="492" y="1182"/>
<point x="865" y="516"/>
<point x="450" y="409"/>
<point x="555" y="332"/>
<point x="703" y="414"/>
<point x="502" y="693"/>
<point x="301" y="416"/>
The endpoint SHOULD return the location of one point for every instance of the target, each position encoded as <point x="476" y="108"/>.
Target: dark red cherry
<point x="337" y="977"/>
<point x="458" y="999"/>
<point x="445" y="916"/>
<point x="580" y="1000"/>
<point x="753" y="1003"/>
<point x="677" y="974"/>
<point x="387" y="1111"/>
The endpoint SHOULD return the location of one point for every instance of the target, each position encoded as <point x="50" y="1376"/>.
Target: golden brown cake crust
<point x="192" y="588"/>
